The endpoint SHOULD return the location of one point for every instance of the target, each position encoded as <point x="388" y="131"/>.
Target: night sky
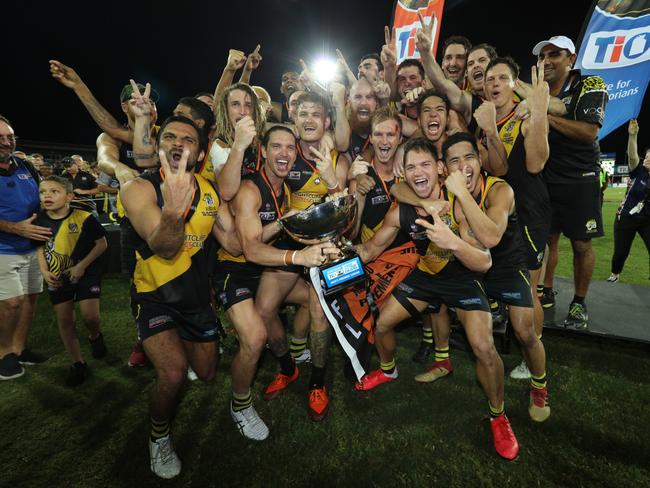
<point x="182" y="50"/>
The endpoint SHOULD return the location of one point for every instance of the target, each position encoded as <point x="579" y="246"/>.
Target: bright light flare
<point x="324" y="70"/>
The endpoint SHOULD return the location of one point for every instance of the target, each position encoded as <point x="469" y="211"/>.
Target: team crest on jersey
<point x="210" y="207"/>
<point x="73" y="228"/>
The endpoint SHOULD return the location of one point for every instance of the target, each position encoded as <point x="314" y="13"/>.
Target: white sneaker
<point x="164" y="461"/>
<point x="305" y="357"/>
<point x="249" y="423"/>
<point x="191" y="375"/>
<point x="521" y="372"/>
<point x="613" y="278"/>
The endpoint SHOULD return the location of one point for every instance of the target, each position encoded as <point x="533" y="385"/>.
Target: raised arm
<point x="236" y="60"/>
<point x="459" y="100"/>
<point x="388" y="58"/>
<point x="632" y="149"/>
<point x="228" y="174"/>
<point x="69" y="78"/>
<point x="252" y="63"/>
<point x="535" y="129"/>
<point x="342" y="131"/>
<point x="108" y="154"/>
<point x="344" y="68"/>
<point x="144" y="151"/>
<point x="162" y="229"/>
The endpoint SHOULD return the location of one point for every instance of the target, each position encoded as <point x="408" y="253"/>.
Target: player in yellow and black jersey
<point x="496" y="227"/>
<point x="448" y="272"/>
<point x="68" y="262"/>
<point x="262" y="199"/>
<point x="172" y="212"/>
<point x="236" y="149"/>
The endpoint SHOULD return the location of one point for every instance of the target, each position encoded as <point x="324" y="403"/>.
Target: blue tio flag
<point x="616" y="46"/>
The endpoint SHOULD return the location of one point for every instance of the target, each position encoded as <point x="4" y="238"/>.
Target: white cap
<point x="563" y="42"/>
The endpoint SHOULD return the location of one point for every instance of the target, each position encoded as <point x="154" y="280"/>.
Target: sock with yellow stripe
<point x="540" y="290"/>
<point x="538" y="382"/>
<point x="389" y="368"/>
<point x="297" y="346"/>
<point x="241" y="401"/>
<point x="441" y="353"/>
<point x="427" y="335"/>
<point x="159" y="429"/>
<point x="496" y="411"/>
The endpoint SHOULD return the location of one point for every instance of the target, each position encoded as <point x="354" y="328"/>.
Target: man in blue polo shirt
<point x="20" y="278"/>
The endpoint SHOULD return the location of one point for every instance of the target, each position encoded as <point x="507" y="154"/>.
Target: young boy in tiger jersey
<point x="68" y="262"/>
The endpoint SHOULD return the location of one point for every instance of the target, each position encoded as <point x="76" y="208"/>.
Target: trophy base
<point x="341" y="274"/>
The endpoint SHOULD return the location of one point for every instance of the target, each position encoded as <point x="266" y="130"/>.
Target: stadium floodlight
<point x="324" y="70"/>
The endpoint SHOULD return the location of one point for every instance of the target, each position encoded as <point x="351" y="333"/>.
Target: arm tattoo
<point x="143" y="156"/>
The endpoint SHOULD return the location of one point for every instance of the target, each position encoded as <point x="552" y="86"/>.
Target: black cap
<point x="127" y="91"/>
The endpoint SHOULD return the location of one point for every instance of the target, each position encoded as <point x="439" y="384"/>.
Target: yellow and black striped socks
<point x="388" y="368"/>
<point x="540" y="290"/>
<point x="496" y="411"/>
<point x="297" y="346"/>
<point x="427" y="335"/>
<point x="241" y="401"/>
<point x="159" y="429"/>
<point x="538" y="382"/>
<point x="441" y="353"/>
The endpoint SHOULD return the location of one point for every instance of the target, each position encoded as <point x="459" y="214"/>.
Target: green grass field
<point x="403" y="434"/>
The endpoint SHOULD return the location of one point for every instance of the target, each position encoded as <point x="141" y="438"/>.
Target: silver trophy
<point x="329" y="221"/>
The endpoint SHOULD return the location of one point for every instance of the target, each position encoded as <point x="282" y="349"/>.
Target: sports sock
<point x="317" y="379"/>
<point x="441" y="353"/>
<point x="241" y="401"/>
<point x="388" y="368"/>
<point x="427" y="335"/>
<point x="297" y="346"/>
<point x="540" y="290"/>
<point x="538" y="382"/>
<point x="287" y="364"/>
<point x="159" y="429"/>
<point x="496" y="411"/>
<point x="577" y="299"/>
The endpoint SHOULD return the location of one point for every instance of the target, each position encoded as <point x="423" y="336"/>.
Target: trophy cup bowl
<point x="322" y="222"/>
<point x="329" y="221"/>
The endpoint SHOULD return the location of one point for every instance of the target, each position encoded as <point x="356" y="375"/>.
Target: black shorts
<point x="87" y="288"/>
<point x="235" y="282"/>
<point x="509" y="286"/>
<point x="535" y="238"/>
<point x="196" y="326"/>
<point x="576" y="210"/>
<point x="463" y="291"/>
